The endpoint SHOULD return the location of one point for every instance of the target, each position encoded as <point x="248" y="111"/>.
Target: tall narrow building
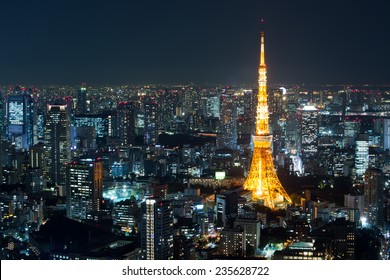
<point x="374" y="182"/>
<point x="57" y="142"/>
<point x="157" y="229"/>
<point x="262" y="179"/>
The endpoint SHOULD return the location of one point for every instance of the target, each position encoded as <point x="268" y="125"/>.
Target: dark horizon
<point x="200" y="42"/>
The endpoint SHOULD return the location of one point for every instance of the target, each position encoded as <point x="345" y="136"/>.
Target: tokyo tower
<point x="262" y="179"/>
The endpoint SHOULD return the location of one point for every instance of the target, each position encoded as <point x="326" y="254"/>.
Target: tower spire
<point x="262" y="59"/>
<point x="262" y="127"/>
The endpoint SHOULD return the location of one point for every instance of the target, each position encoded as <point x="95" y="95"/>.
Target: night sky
<point x="201" y="41"/>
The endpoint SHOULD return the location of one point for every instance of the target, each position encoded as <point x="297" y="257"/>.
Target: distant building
<point x="81" y="107"/>
<point x="309" y="135"/>
<point x="227" y="137"/>
<point x="126" y="123"/>
<point x="20" y="120"/>
<point x="373" y="196"/>
<point x="150" y="120"/>
<point x="386" y="134"/>
<point x="57" y="142"/>
<point x="354" y="202"/>
<point x="361" y="158"/>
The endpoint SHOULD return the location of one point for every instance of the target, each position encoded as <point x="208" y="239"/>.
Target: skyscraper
<point x="386" y="134"/>
<point x="150" y="121"/>
<point x="57" y="142"/>
<point x="374" y="182"/>
<point x="82" y="100"/>
<point x="1" y="134"/>
<point x="262" y="179"/>
<point x="157" y="229"/>
<point x="227" y="137"/>
<point x="309" y="137"/>
<point x="126" y="123"/>
<point x="84" y="184"/>
<point x="361" y="158"/>
<point x="20" y="120"/>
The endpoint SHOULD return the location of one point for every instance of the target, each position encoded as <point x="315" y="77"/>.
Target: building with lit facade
<point x="99" y="123"/>
<point x="309" y="132"/>
<point x="125" y="215"/>
<point x="20" y="120"/>
<point x="374" y="181"/>
<point x="251" y="234"/>
<point x="227" y="137"/>
<point x="232" y="242"/>
<point x="386" y="134"/>
<point x="81" y="104"/>
<point x="300" y="251"/>
<point x="35" y="171"/>
<point x="57" y="143"/>
<point x="150" y="107"/>
<point x="361" y="158"/>
<point x="84" y="184"/>
<point x="126" y="123"/>
<point x="157" y="229"/>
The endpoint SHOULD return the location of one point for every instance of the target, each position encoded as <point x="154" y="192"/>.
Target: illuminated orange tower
<point x="262" y="179"/>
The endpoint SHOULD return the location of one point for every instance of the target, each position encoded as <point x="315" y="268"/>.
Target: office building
<point x="126" y="123"/>
<point x="157" y="229"/>
<point x="20" y="120"/>
<point x="57" y="143"/>
<point x="84" y="184"/>
<point x="374" y="182"/>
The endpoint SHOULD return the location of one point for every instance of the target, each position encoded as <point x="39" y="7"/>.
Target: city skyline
<point x="201" y="42"/>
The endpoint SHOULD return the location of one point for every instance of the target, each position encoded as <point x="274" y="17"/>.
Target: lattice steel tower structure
<point x="262" y="179"/>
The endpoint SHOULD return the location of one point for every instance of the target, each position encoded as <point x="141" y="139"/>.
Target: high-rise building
<point x="262" y="179"/>
<point x="81" y="105"/>
<point x="20" y="120"/>
<point x="2" y="117"/>
<point x="309" y="131"/>
<point x="150" y="121"/>
<point x="35" y="171"/>
<point x="386" y="134"/>
<point x="157" y="229"/>
<point x="84" y="183"/>
<point x="126" y="123"/>
<point x="57" y="142"/>
<point x="39" y="127"/>
<point x="213" y="105"/>
<point x="2" y="132"/>
<point x="374" y="181"/>
<point x="361" y="158"/>
<point x="227" y="137"/>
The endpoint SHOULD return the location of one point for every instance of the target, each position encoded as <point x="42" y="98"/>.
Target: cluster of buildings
<point x="157" y="172"/>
